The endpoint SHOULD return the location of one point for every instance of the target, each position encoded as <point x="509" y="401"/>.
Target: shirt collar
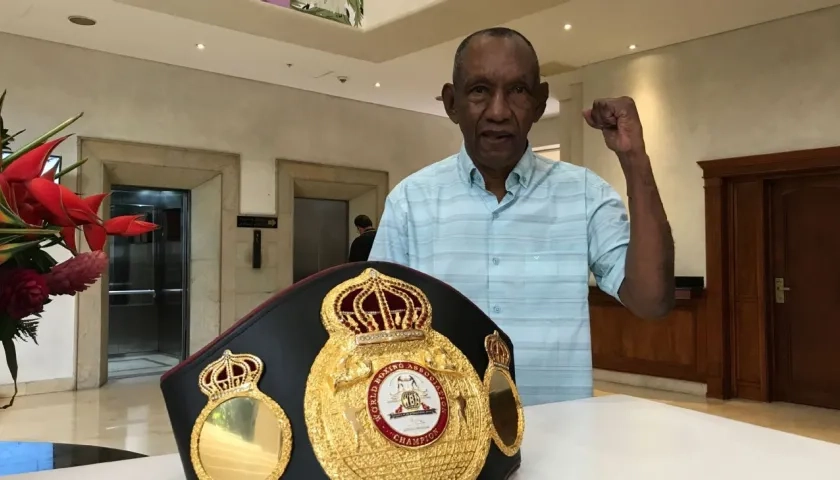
<point x="521" y="173"/>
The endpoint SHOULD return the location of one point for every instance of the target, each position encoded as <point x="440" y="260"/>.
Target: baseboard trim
<point x="38" y="387"/>
<point x="646" y="381"/>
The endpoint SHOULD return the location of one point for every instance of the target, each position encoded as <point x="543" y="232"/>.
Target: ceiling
<point x="406" y="47"/>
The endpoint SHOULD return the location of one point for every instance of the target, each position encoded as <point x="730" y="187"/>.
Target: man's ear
<point x="448" y="96"/>
<point x="541" y="97"/>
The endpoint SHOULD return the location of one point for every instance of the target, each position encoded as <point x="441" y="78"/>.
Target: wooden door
<point x="805" y="265"/>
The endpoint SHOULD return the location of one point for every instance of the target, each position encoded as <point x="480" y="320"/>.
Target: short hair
<point x="499" y="32"/>
<point x="362" y="221"/>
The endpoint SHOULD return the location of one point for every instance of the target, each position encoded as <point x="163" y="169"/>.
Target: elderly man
<point x="518" y="234"/>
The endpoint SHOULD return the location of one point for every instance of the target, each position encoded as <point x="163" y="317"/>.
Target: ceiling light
<point x="632" y="47"/>
<point x="200" y="46"/>
<point x="568" y="26"/>
<point x="377" y="85"/>
<point x="81" y="20"/>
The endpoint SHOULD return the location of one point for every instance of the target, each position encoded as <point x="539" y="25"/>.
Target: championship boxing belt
<point x="364" y="371"/>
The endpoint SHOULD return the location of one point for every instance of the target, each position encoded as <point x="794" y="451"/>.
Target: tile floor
<point x="139" y="364"/>
<point x="129" y="414"/>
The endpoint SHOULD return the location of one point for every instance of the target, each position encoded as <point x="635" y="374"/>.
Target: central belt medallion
<point x="407" y="404"/>
<point x="388" y="396"/>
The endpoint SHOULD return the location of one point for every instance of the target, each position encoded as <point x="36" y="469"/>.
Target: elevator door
<point x="148" y="312"/>
<point x="320" y="240"/>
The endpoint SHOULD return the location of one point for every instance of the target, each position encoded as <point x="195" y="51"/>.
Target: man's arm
<point x="648" y="289"/>
<point x="391" y="241"/>
<point x="648" y="285"/>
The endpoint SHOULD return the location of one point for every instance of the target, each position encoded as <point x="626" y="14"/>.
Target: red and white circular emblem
<point x="407" y="404"/>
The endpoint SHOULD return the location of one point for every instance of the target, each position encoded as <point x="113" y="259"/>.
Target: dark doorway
<point x="148" y="318"/>
<point x="320" y="238"/>
<point x="805" y="262"/>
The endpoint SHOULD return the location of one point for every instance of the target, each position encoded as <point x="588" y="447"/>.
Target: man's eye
<point x="519" y="89"/>
<point x="479" y="89"/>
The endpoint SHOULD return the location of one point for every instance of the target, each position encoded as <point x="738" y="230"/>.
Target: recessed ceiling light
<point x="632" y="47"/>
<point x="377" y="85"/>
<point x="81" y="20"/>
<point x="200" y="46"/>
<point x="568" y="26"/>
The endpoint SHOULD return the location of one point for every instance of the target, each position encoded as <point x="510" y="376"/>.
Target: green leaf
<point x="8" y="216"/>
<point x="3" y="130"/>
<point x="10" y="249"/>
<point x="71" y="168"/>
<point x="28" y="329"/>
<point x="8" y="138"/>
<point x="11" y="361"/>
<point x="10" y="239"/>
<point x="40" y="140"/>
<point x="358" y="11"/>
<point x="7" y="327"/>
<point x="39" y="232"/>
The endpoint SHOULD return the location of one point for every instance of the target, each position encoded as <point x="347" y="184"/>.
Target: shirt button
<point x="495" y="215"/>
<point x="495" y="261"/>
<point x="497" y="309"/>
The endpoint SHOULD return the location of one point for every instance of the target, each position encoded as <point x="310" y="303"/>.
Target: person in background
<point x="360" y="248"/>
<point x="517" y="233"/>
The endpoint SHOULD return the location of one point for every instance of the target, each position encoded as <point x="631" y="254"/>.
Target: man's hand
<point x="618" y="120"/>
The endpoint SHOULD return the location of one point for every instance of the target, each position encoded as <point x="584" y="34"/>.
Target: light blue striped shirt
<point x="525" y="261"/>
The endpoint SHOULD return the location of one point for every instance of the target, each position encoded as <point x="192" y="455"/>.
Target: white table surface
<point x="602" y="438"/>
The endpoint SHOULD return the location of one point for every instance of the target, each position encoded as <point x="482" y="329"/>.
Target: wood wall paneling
<point x="748" y="327"/>
<point x="671" y="347"/>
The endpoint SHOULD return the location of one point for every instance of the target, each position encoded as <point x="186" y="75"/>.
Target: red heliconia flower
<point x="22" y="292"/>
<point x="29" y="166"/>
<point x="61" y="207"/>
<point x="128" y="226"/>
<point x="37" y="199"/>
<point x="76" y="274"/>
<point x="65" y="208"/>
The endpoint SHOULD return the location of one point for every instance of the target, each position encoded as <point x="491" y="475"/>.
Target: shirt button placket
<point x="494" y="272"/>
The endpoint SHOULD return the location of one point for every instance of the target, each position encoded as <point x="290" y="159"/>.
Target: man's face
<point x="496" y="100"/>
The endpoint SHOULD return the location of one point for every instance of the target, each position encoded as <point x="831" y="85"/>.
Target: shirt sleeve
<point x="609" y="234"/>
<point x="391" y="242"/>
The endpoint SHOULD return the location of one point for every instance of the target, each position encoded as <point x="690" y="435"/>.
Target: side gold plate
<point x="505" y="405"/>
<point x="241" y="434"/>
<point x="388" y="397"/>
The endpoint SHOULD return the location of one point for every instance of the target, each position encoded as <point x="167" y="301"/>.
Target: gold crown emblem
<point x="377" y="308"/>
<point x="230" y="374"/>
<point x="497" y="351"/>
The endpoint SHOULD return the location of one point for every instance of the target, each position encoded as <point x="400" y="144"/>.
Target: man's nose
<point x="498" y="110"/>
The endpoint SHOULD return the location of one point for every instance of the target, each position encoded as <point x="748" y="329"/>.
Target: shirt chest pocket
<point x="540" y="264"/>
<point x="558" y="252"/>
